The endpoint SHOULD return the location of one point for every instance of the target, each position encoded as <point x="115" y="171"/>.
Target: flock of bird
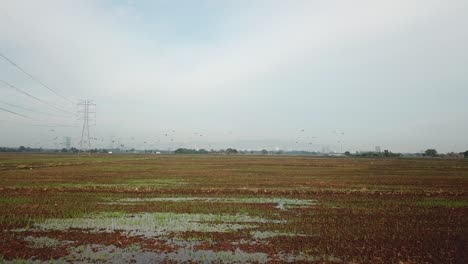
<point x="169" y="136"/>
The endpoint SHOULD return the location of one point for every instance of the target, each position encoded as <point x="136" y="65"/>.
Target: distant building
<point x="454" y="155"/>
<point x="326" y="149"/>
<point x="67" y="142"/>
<point x="378" y="149"/>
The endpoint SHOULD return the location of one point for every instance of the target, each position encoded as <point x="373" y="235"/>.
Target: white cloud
<point x="96" y="48"/>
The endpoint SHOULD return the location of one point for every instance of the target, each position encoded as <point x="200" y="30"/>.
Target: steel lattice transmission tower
<point x="86" y="110"/>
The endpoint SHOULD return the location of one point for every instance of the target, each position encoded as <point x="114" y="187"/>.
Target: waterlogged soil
<point x="232" y="209"/>
<point x="15" y="245"/>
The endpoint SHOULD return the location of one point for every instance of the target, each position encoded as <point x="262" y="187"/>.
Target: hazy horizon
<point x="247" y="74"/>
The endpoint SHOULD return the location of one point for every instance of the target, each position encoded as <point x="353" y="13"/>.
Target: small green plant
<point x="440" y="202"/>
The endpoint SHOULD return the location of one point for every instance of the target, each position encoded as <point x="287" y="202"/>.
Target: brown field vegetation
<point x="233" y="209"/>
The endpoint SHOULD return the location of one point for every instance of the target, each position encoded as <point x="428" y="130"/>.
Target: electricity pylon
<point x="86" y="108"/>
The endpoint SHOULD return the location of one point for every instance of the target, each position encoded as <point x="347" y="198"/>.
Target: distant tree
<point x="264" y="151"/>
<point x="64" y="150"/>
<point x="190" y="151"/>
<point x="430" y="153"/>
<point x="181" y="151"/>
<point x="465" y="154"/>
<point x="74" y="150"/>
<point x="22" y="149"/>
<point x="202" y="151"/>
<point x="231" y="151"/>
<point x="386" y="153"/>
<point x="347" y="153"/>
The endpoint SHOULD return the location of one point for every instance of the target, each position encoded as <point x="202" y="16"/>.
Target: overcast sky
<point x="247" y="74"/>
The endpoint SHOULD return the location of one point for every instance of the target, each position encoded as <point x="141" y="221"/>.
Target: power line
<point x="34" y="78"/>
<point x="56" y="125"/>
<point x="34" y="97"/>
<point x="31" y="110"/>
<point x="6" y="110"/>
<point x="28" y="117"/>
<point x="36" y="125"/>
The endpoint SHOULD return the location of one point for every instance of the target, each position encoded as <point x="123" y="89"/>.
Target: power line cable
<point x="34" y="97"/>
<point x="28" y="117"/>
<point x="9" y="60"/>
<point x="34" y="78"/>
<point x="37" y="125"/>
<point x="12" y="112"/>
<point x="31" y="110"/>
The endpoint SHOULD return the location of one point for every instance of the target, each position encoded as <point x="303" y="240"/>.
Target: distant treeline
<point x="428" y="153"/>
<point x="385" y="153"/>
<point x="20" y="149"/>
<point x="204" y="151"/>
<point x="233" y="151"/>
<point x="35" y="150"/>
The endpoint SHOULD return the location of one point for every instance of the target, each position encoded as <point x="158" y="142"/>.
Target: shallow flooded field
<point x="231" y="209"/>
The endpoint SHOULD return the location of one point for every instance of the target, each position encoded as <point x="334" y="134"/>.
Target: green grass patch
<point x="15" y="200"/>
<point x="280" y="203"/>
<point x="155" y="224"/>
<point x="439" y="202"/>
